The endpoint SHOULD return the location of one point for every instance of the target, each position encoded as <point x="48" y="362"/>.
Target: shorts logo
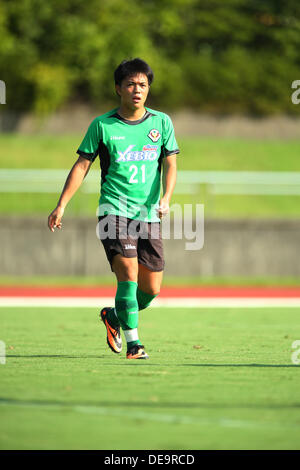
<point x="129" y="247"/>
<point x="154" y="135"/>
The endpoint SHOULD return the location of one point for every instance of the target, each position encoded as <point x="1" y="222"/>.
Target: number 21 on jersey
<point x="134" y="178"/>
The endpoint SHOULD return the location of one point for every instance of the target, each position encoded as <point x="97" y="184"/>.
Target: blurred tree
<point x="233" y="56"/>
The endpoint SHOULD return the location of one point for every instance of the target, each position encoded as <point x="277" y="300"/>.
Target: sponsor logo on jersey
<point x="117" y="137"/>
<point x="150" y="148"/>
<point x="154" y="135"/>
<point x="149" y="152"/>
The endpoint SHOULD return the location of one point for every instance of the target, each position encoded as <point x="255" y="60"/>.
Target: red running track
<point x="177" y="292"/>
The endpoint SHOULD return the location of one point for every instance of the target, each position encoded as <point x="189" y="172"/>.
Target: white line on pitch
<point x="149" y="416"/>
<point x="181" y="302"/>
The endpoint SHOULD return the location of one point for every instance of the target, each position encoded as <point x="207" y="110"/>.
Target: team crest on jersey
<point x="154" y="135"/>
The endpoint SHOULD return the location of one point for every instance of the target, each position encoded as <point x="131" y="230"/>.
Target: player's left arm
<point x="169" y="181"/>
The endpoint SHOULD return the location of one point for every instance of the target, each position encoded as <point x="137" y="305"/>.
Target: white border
<point x="179" y="302"/>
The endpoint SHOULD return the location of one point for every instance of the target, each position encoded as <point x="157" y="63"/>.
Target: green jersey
<point x="130" y="154"/>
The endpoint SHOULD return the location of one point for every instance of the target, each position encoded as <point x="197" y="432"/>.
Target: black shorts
<point x="132" y="238"/>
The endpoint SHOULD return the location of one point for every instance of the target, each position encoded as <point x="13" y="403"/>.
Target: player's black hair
<point x="131" y="67"/>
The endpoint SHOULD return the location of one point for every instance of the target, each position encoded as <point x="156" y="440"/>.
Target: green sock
<point x="144" y="299"/>
<point x="126" y="306"/>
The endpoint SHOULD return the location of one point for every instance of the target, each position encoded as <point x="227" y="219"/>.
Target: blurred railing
<point x="188" y="182"/>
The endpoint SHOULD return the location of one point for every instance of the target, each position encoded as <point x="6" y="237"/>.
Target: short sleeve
<point x="89" y="147"/>
<point x="170" y="145"/>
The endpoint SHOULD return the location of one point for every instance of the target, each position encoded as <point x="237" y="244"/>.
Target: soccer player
<point x="134" y="144"/>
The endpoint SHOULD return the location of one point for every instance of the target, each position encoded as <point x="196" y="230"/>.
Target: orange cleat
<point x="113" y="338"/>
<point x="137" y="352"/>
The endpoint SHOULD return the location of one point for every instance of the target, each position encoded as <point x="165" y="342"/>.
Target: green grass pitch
<point x="216" y="379"/>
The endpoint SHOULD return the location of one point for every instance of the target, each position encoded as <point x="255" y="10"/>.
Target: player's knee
<point x="125" y="269"/>
<point x="130" y="275"/>
<point x="152" y="291"/>
<point x="127" y="274"/>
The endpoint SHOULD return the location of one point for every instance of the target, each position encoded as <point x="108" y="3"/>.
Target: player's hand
<point x="163" y="208"/>
<point x="54" y="219"/>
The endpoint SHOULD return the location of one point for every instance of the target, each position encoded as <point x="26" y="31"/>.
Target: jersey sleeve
<point x="89" y="147"/>
<point x="170" y="145"/>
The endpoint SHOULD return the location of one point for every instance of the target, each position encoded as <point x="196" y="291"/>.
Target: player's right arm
<point x="77" y="174"/>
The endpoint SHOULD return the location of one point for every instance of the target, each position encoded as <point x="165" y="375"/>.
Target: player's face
<point x="134" y="91"/>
